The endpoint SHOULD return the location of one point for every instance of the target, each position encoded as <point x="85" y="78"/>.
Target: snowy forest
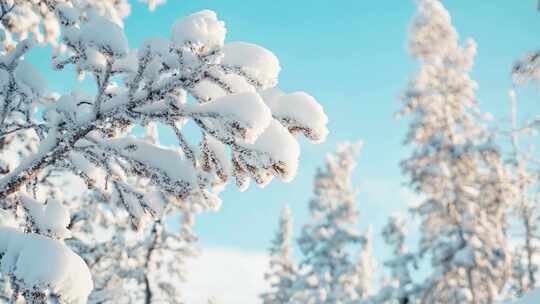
<point x="111" y="152"/>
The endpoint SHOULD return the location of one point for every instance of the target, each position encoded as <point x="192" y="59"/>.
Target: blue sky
<point x="351" y="56"/>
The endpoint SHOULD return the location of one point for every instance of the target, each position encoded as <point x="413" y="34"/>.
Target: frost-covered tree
<point x="245" y="126"/>
<point x="455" y="167"/>
<point x="400" y="287"/>
<point x="525" y="267"/>
<point x="283" y="270"/>
<point x="327" y="275"/>
<point x="526" y="250"/>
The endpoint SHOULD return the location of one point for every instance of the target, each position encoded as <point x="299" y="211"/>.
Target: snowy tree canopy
<point x="525" y="208"/>
<point x="400" y="288"/>
<point x="328" y="274"/>
<point x="455" y="166"/>
<point x="226" y="90"/>
<point x="90" y="135"/>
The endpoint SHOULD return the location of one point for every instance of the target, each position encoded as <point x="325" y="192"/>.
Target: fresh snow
<point x="257" y="62"/>
<point x="105" y="35"/>
<point x="298" y="110"/>
<point x="40" y="262"/>
<point x="167" y="161"/>
<point x="248" y="110"/>
<point x="28" y="77"/>
<point x="202" y="28"/>
<point x="52" y="217"/>
<point x="280" y="147"/>
<point x="156" y="46"/>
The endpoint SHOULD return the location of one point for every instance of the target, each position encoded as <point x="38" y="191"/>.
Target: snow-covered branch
<point x="156" y="82"/>
<point x="245" y="125"/>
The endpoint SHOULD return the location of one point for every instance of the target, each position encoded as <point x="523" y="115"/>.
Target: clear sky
<point x="352" y="57"/>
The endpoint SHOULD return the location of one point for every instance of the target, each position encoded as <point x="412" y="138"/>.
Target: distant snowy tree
<point x="283" y="270"/>
<point x="327" y="275"/>
<point x="400" y="288"/>
<point x="456" y="167"/>
<point x="525" y="266"/>
<point x="245" y="125"/>
<point x="365" y="267"/>
<point x="525" y="259"/>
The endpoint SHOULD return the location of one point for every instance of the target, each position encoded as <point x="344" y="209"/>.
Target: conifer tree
<point x="326" y="241"/>
<point x="283" y="271"/>
<point x="524" y="262"/>
<point x="455" y="166"/>
<point x="400" y="287"/>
